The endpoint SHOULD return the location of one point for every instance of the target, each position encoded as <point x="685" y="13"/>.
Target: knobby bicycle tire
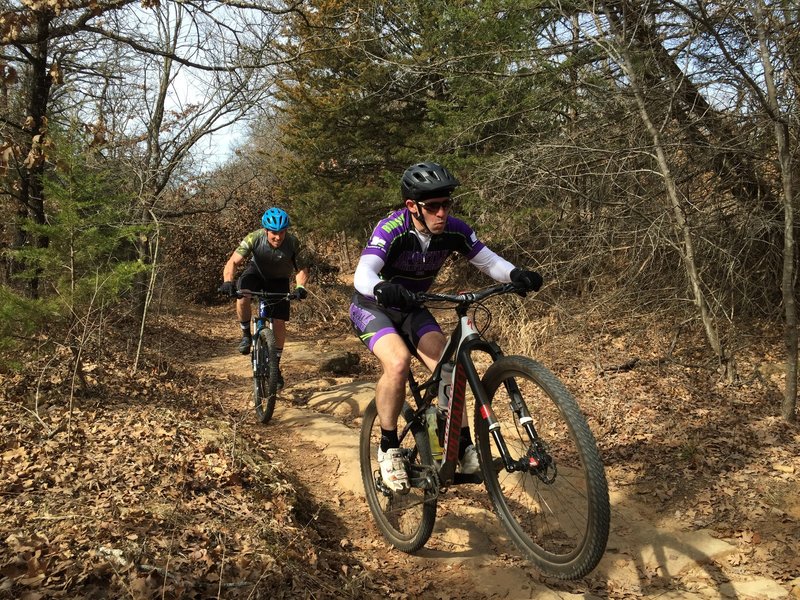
<point x="265" y="375"/>
<point x="405" y="520"/>
<point x="559" y="518"/>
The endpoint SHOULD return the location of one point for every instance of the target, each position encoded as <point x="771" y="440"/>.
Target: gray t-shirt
<point x="273" y="263"/>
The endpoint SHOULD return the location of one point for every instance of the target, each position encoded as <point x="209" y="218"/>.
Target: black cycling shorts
<point x="371" y="322"/>
<point x="251" y="280"/>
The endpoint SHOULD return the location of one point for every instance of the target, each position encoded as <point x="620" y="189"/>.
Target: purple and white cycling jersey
<point x="397" y="252"/>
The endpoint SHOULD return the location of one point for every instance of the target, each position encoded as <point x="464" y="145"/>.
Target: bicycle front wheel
<point x="265" y="374"/>
<point x="405" y="520"/>
<point x="556" y="508"/>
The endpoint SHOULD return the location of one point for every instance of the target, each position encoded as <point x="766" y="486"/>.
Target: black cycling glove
<point x="229" y="289"/>
<point x="394" y="295"/>
<point x="301" y="292"/>
<point x="531" y="280"/>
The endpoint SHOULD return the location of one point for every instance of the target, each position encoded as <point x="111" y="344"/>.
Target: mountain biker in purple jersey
<point x="404" y="254"/>
<point x="274" y="256"/>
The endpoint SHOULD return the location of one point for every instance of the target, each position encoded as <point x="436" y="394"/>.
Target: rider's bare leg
<point x="243" y="310"/>
<point x="279" y="329"/>
<point x="395" y="360"/>
<point x="430" y="348"/>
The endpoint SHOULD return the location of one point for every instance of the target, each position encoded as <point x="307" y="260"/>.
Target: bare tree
<point x="767" y="21"/>
<point x="621" y="51"/>
<point x="89" y="60"/>
<point x="756" y="44"/>
<point x="227" y="60"/>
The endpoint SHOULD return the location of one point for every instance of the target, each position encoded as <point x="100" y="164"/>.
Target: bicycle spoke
<point x="549" y="513"/>
<point x="557" y="509"/>
<point x="405" y="520"/>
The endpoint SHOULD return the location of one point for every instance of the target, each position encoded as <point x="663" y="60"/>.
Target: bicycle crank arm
<point x="424" y="479"/>
<point x="460" y="478"/>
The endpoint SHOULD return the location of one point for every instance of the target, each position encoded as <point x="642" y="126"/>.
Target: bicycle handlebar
<point x="467" y="298"/>
<point x="274" y="295"/>
<point x="243" y="293"/>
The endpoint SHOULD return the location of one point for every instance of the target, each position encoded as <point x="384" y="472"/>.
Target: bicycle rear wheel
<point x="405" y="520"/>
<point x="265" y="374"/>
<point x="558" y="512"/>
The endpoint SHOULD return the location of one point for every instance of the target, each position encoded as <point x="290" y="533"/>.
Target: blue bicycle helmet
<point x="275" y="219"/>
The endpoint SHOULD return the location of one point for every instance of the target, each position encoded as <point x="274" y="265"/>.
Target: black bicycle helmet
<point x="427" y="180"/>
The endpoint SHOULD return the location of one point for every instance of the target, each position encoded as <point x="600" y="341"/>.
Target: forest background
<point x="642" y="156"/>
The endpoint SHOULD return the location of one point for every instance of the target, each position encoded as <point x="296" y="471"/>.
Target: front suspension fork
<point x="537" y="458"/>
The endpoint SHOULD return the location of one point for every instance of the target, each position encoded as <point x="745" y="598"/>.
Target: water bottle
<point x="445" y="386"/>
<point x="433" y="433"/>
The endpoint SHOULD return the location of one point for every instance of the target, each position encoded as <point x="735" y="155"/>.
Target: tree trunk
<point x="727" y="363"/>
<point x="31" y="194"/>
<point x="703" y="124"/>
<point x="788" y="409"/>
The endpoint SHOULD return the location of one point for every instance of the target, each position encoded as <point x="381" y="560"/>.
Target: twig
<point x="626" y="366"/>
<point x="221" y="566"/>
<point x="60" y="517"/>
<point x="34" y="414"/>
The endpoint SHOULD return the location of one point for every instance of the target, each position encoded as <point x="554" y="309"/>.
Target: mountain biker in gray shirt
<point x="404" y="254"/>
<point x="274" y="256"/>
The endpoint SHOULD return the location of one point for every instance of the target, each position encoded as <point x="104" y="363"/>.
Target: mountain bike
<point x="539" y="460"/>
<point x="264" y="355"/>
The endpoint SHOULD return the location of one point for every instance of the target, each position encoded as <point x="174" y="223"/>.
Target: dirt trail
<point x="315" y="428"/>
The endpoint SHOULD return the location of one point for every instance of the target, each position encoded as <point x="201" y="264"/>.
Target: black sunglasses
<point x="433" y="207"/>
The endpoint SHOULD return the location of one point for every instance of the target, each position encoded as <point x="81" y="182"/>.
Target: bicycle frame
<point x="262" y="320"/>
<point x="265" y="299"/>
<point x="464" y="340"/>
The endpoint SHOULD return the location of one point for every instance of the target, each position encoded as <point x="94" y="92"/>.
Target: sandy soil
<point x="315" y="430"/>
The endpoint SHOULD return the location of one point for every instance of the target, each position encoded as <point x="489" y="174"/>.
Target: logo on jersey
<point x="389" y="226"/>
<point x="377" y="242"/>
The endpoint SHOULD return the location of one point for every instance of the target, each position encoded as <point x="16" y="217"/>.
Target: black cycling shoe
<point x="279" y="380"/>
<point x="244" y="345"/>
